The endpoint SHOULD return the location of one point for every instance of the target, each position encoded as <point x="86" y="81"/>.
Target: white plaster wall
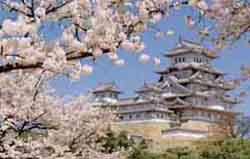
<point x="184" y="134"/>
<point x="189" y="58"/>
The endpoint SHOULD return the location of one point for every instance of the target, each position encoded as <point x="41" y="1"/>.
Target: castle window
<point x="158" y="115"/>
<point x="138" y="116"/>
<point x="121" y="117"/>
<point x="109" y="94"/>
<point x="130" y="116"/>
<point x="209" y="116"/>
<point x="162" y="115"/>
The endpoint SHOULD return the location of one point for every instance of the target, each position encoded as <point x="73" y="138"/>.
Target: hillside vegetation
<point x="213" y="148"/>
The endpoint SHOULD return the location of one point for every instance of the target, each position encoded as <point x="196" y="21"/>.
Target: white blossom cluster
<point x="34" y="122"/>
<point x="93" y="28"/>
<point x="37" y="124"/>
<point x="228" y="20"/>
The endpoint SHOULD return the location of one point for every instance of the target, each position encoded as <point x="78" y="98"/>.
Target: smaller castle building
<point x="191" y="99"/>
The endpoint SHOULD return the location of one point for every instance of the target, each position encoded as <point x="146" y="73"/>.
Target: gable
<point x="171" y="85"/>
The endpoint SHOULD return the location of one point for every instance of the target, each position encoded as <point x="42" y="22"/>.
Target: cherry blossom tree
<point x="226" y="20"/>
<point x="90" y="28"/>
<point x="36" y="123"/>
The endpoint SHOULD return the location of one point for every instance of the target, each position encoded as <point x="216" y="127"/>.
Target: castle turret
<point x="190" y="52"/>
<point x="196" y="91"/>
<point x="106" y="93"/>
<point x="148" y="91"/>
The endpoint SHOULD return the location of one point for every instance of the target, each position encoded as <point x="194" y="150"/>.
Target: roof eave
<point x="101" y="91"/>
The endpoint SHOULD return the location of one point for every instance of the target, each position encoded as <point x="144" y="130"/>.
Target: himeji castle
<point x="191" y="96"/>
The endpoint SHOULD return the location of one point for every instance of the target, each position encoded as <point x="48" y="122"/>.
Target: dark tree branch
<point x="71" y="55"/>
<point x="80" y="27"/>
<point x="1" y="50"/>
<point x="17" y="66"/>
<point x="55" y="8"/>
<point x="26" y="4"/>
<point x="37" y="87"/>
<point x="77" y="34"/>
<point x="15" y="9"/>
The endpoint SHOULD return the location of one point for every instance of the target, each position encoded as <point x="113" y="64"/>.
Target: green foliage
<point x="113" y="142"/>
<point x="231" y="148"/>
<point x="224" y="149"/>
<point x="175" y="153"/>
<point x="210" y="149"/>
<point x="140" y="151"/>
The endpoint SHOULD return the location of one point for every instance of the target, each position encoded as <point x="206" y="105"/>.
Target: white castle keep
<point x="190" y="96"/>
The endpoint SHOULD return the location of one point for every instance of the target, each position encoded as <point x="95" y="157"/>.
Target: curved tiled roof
<point x="186" y="46"/>
<point x="106" y="87"/>
<point x="149" y="87"/>
<point x="202" y="108"/>
<point x="201" y="67"/>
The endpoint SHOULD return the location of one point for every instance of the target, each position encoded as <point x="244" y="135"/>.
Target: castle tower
<point x="196" y="92"/>
<point x="190" y="101"/>
<point x="106" y="93"/>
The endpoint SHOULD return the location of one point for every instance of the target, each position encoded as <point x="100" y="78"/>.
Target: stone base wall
<point x="147" y="129"/>
<point x="196" y="125"/>
<point x="151" y="131"/>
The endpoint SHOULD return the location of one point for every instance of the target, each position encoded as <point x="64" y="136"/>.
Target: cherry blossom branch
<point x="36" y="87"/>
<point x="55" y="8"/>
<point x="15" y="9"/>
<point x="75" y="55"/>
<point x="19" y="66"/>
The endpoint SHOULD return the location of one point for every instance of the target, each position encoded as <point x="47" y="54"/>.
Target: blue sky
<point x="133" y="74"/>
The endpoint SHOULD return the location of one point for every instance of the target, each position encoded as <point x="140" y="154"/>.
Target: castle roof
<point x="197" y="78"/>
<point x="143" y="109"/>
<point x="194" y="66"/>
<point x="106" y="87"/>
<point x="225" y="86"/>
<point x="186" y="46"/>
<point x="230" y="99"/>
<point x="128" y="101"/>
<point x="179" y="101"/>
<point x="202" y="108"/>
<point x="169" y="95"/>
<point x="149" y="87"/>
<point x="134" y="101"/>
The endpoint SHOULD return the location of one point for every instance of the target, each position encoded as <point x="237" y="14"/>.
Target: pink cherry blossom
<point x="157" y="17"/>
<point x="144" y="58"/>
<point x="202" y="5"/>
<point x="157" y="61"/>
<point x="87" y="69"/>
<point x="189" y="21"/>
